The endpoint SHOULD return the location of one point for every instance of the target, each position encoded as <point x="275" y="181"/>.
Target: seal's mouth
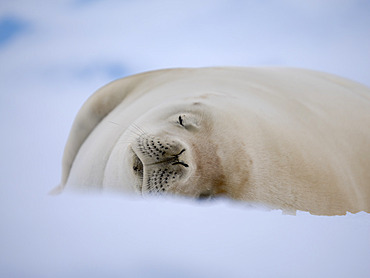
<point x="138" y="169"/>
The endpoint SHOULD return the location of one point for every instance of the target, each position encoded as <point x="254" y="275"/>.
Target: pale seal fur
<point x="288" y="138"/>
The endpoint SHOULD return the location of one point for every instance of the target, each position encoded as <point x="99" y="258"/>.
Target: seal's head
<point x="179" y="152"/>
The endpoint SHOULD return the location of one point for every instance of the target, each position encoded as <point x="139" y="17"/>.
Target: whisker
<point x="125" y="141"/>
<point x="135" y="132"/>
<point x="113" y="123"/>
<point x="135" y="129"/>
<point x="139" y="128"/>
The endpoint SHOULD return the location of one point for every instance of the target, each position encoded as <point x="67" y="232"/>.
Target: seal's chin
<point x="138" y="168"/>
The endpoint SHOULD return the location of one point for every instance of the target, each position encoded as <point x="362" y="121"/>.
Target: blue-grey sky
<point x="102" y="40"/>
<point x="54" y="54"/>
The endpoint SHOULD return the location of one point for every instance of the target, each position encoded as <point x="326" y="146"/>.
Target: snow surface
<point x="114" y="236"/>
<point x="54" y="54"/>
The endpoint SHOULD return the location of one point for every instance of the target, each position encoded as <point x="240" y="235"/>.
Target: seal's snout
<point x="160" y="163"/>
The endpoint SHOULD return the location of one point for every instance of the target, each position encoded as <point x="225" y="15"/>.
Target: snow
<point x="74" y="236"/>
<point x="55" y="54"/>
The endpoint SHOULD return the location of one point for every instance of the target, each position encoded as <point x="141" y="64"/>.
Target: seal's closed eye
<point x="181" y="121"/>
<point x="189" y="121"/>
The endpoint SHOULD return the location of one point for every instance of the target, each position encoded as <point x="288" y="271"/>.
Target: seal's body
<point x="289" y="138"/>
